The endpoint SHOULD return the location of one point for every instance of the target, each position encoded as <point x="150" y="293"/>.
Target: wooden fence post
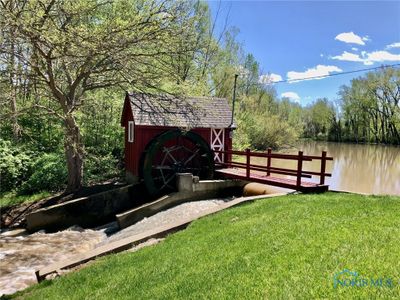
<point x="228" y="161"/>
<point x="323" y="167"/>
<point x="299" y="168"/>
<point x="269" y="162"/>
<point x="248" y="163"/>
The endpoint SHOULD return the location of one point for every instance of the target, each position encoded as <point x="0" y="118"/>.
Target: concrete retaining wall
<point x="86" y="211"/>
<point x="100" y="208"/>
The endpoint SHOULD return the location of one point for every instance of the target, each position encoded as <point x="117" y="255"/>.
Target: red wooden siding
<point x="145" y="134"/>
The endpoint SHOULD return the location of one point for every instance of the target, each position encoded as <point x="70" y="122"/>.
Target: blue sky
<point x="297" y="39"/>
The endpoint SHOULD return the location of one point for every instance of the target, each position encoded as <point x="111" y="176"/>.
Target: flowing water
<point x="371" y="169"/>
<point x="21" y="256"/>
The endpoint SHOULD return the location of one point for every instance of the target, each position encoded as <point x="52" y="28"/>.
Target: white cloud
<point x="269" y="78"/>
<point x="394" y="45"/>
<point x="351" y="38"/>
<point x="347" y="56"/>
<point x="366" y="38"/>
<point x="354" y="49"/>
<point x="319" y="71"/>
<point x="379" y="56"/>
<point x="321" y="55"/>
<point x="368" y="58"/>
<point x="292" y="96"/>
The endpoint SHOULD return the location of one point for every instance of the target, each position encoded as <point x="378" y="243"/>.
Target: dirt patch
<point x="14" y="216"/>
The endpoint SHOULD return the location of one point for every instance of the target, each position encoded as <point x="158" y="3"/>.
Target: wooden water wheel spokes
<point x="175" y="152"/>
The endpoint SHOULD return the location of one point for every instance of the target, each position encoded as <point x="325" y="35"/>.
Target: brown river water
<point x="370" y="169"/>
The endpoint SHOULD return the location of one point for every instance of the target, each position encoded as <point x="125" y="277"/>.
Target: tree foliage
<point x="73" y="47"/>
<point x="319" y="118"/>
<point x="49" y="174"/>
<point x="15" y="165"/>
<point x="371" y="107"/>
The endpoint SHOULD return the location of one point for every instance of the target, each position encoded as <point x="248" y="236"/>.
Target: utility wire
<point x="330" y="75"/>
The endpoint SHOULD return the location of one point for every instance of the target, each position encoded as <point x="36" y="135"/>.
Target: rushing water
<point x="371" y="169"/>
<point x="21" y="256"/>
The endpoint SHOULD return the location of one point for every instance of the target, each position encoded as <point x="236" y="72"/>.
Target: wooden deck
<point x="251" y="172"/>
<point x="305" y="186"/>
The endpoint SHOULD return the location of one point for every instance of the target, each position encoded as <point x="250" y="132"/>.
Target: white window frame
<point x="131" y="131"/>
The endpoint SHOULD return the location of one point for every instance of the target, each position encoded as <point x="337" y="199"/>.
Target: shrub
<point x="15" y="165"/>
<point x="50" y="174"/>
<point x="271" y="131"/>
<point x="240" y="135"/>
<point x="100" y="168"/>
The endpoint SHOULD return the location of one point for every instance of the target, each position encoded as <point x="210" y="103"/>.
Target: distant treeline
<point x="370" y="109"/>
<point x="366" y="111"/>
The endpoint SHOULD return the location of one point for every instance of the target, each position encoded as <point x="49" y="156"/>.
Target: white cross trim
<point x="218" y="143"/>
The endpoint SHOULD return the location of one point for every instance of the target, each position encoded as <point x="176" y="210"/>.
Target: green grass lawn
<point x="287" y="247"/>
<point x="11" y="198"/>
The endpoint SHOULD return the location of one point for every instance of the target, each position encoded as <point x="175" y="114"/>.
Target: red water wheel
<point x="173" y="152"/>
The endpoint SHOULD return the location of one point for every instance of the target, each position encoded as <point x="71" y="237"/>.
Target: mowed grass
<point x="279" y="248"/>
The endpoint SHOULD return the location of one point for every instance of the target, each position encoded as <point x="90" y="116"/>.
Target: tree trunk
<point x="74" y="151"/>
<point x="16" y="129"/>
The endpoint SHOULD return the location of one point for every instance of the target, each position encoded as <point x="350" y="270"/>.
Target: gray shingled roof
<point x="189" y="112"/>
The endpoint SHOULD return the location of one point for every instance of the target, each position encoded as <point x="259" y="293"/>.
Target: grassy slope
<point x="10" y="199"/>
<point x="287" y="247"/>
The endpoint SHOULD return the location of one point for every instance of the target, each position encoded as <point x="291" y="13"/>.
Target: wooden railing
<point x="298" y="172"/>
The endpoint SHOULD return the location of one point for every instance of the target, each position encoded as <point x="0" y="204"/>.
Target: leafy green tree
<point x="320" y="116"/>
<point x="226" y="65"/>
<point x="74" y="47"/>
<point x="371" y="107"/>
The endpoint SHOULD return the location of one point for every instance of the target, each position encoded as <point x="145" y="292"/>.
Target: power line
<point x="330" y="75"/>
